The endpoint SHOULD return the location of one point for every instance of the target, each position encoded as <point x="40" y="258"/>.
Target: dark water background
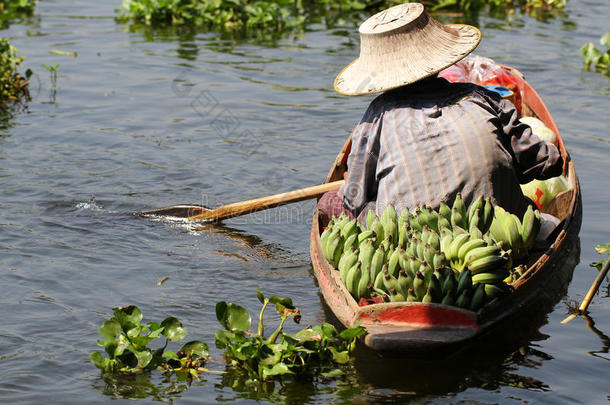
<point x="145" y="118"/>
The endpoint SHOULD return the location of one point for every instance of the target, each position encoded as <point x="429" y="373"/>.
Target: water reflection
<point x="142" y="385"/>
<point x="602" y="336"/>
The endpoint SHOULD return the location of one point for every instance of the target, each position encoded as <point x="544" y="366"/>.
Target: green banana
<point x="371" y="217"/>
<point x="377" y="262"/>
<point x="414" y="222"/>
<point x="489" y="277"/>
<point x="480" y="252"/>
<point x="531" y="227"/>
<point x="464" y="281"/>
<point x="433" y="220"/>
<point x="459" y="215"/>
<point x="363" y="284"/>
<point x="488" y="264"/>
<point x="443" y="223"/>
<point x="423" y="214"/>
<point x="351" y="241"/>
<point x="404" y="282"/>
<point x="454" y="247"/>
<point x="478" y="298"/>
<point x="350" y="228"/>
<point x="353" y="278"/>
<point x="367" y="250"/>
<point x="439" y="259"/>
<point x="403" y="219"/>
<point x="495" y="290"/>
<point x="512" y="223"/>
<point x="403" y="232"/>
<point x="467" y="247"/>
<point x="429" y="253"/>
<point x="434" y="240"/>
<point x="379" y="231"/>
<point x="396" y="296"/>
<point x="497" y="229"/>
<point x="463" y="300"/>
<point x="475" y="233"/>
<point x="419" y="285"/>
<point x="450" y="285"/>
<point x="389" y="282"/>
<point x="473" y="222"/>
<point x="445" y="242"/>
<point x="435" y="289"/>
<point x="429" y="296"/>
<point x="445" y="211"/>
<point x="393" y="263"/>
<point x="411" y="297"/>
<point x="488" y="215"/>
<point x="473" y="214"/>
<point x="378" y="283"/>
<point x="324" y="239"/>
<point x="347" y="262"/>
<point x="448" y="300"/>
<point x="366" y="235"/>
<point x="335" y="248"/>
<point x="389" y="215"/>
<point x="391" y="232"/>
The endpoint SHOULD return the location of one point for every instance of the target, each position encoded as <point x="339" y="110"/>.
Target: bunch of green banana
<point x="426" y="256"/>
<point x="515" y="235"/>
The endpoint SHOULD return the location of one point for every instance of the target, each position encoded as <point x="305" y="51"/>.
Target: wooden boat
<point x="415" y="327"/>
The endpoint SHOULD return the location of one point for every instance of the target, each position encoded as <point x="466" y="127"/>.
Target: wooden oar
<point x="594" y="287"/>
<point x="202" y="214"/>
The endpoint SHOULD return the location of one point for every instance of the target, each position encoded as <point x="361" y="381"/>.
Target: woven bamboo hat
<point x="402" y="45"/>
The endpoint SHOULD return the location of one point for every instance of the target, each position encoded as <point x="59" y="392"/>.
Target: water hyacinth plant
<point x="595" y="59"/>
<point x="125" y="341"/>
<point x="13" y="86"/>
<point x="314" y="350"/>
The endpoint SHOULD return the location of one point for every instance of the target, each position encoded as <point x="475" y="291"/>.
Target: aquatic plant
<point x="595" y="59"/>
<point x="250" y="356"/>
<point x="13" y="86"/>
<point x="314" y="350"/>
<point x="125" y="341"/>
<point x="12" y="9"/>
<point x="529" y="5"/>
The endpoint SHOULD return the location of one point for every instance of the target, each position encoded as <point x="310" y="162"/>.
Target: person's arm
<point x="360" y="185"/>
<point x="533" y="157"/>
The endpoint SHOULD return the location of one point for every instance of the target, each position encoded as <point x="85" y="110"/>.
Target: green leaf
<point x="224" y="338"/>
<point x="605" y="39"/>
<point x="260" y="295"/>
<point x="97" y="359"/>
<point x="332" y="373"/>
<point x="170" y="355"/>
<point x="173" y="329"/>
<point x="278" y="369"/>
<point x="339" y="357"/>
<point x="129" y="359"/>
<point x="195" y="348"/>
<point x="351" y="333"/>
<point x="603" y="249"/>
<point x="128" y="317"/>
<point x="141" y="341"/>
<point x="144" y="357"/>
<point x="109" y="329"/>
<point x="232" y="316"/>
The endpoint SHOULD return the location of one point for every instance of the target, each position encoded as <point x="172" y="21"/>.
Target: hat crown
<point x="392" y="18"/>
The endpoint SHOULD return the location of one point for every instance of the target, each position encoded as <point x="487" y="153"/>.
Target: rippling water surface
<point x="142" y="119"/>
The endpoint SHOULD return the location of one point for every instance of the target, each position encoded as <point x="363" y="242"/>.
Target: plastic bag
<point x="540" y="130"/>
<point x="483" y="71"/>
<point x="543" y="191"/>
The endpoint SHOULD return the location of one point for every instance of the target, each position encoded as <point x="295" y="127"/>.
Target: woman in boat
<point x="425" y="139"/>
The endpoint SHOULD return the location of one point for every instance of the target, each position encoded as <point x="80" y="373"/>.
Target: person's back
<point x="425" y="139"/>
<point x="424" y="143"/>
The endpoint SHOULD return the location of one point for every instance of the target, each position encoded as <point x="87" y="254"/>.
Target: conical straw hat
<point x="402" y="45"/>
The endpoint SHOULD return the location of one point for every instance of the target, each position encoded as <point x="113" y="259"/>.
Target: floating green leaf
<point x="232" y="316"/>
<point x="173" y="329"/>
<point x="195" y="348"/>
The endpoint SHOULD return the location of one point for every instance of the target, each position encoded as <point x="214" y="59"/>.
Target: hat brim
<point x="401" y="69"/>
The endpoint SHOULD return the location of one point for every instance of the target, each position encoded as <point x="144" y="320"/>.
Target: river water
<point x="142" y="119"/>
